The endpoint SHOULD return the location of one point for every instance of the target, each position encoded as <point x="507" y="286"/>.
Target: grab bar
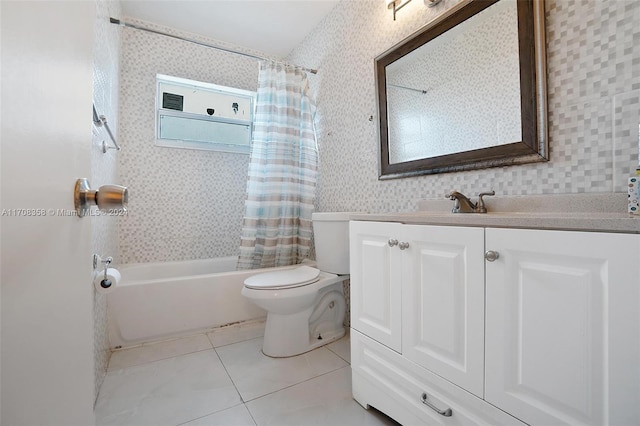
<point x="101" y="120"/>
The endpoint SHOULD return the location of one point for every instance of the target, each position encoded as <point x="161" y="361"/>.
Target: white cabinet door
<point x="563" y="326"/>
<point x="376" y="281"/>
<point x="443" y="302"/>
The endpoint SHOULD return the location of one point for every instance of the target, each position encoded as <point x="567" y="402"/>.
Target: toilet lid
<point x="297" y="277"/>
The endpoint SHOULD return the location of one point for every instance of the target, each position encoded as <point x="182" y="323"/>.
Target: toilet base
<point x="329" y="337"/>
<point x="275" y="348"/>
<point x="318" y="325"/>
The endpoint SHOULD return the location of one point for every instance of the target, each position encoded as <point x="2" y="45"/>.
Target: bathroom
<point x="55" y="344"/>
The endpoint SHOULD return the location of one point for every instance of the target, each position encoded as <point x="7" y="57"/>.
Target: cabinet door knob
<point x="392" y="242"/>
<point x="491" y="255"/>
<point x="446" y="413"/>
<point x="403" y="245"/>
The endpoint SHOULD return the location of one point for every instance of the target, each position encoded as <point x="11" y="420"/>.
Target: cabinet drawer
<point x="387" y="381"/>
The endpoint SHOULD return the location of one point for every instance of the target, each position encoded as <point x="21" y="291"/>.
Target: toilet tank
<point x="331" y="237"/>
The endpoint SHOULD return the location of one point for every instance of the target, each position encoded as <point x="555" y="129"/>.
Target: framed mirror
<point x="468" y="91"/>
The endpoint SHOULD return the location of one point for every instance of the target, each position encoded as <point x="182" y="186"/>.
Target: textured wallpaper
<point x="593" y="97"/>
<point x="104" y="229"/>
<point x="184" y="204"/>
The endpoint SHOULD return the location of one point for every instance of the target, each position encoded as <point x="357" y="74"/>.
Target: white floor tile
<point x="342" y="347"/>
<point x="167" y="392"/>
<point x="156" y="351"/>
<point x="324" y="400"/>
<point x="234" y="416"/>
<point x="256" y="374"/>
<point x="236" y="333"/>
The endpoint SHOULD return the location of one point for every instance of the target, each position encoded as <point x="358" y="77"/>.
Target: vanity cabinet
<point x="545" y="325"/>
<point x="563" y="326"/>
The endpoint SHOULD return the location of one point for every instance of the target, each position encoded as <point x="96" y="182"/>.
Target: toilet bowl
<point x="306" y="305"/>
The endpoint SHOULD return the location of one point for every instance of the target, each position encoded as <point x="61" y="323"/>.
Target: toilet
<point x="305" y="305"/>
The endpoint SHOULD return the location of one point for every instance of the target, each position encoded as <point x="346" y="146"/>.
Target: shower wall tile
<point x="104" y="229"/>
<point x="593" y="67"/>
<point x="184" y="204"/>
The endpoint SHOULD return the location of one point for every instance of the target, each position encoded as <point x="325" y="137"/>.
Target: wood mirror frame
<point x="534" y="144"/>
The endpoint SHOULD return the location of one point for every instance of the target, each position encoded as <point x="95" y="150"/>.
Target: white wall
<point x="47" y="296"/>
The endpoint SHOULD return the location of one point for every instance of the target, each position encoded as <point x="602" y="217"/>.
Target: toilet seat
<point x="288" y="278"/>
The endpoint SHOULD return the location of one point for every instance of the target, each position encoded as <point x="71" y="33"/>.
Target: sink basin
<point x="581" y="212"/>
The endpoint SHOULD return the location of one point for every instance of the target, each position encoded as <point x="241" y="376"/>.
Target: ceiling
<point x="273" y="27"/>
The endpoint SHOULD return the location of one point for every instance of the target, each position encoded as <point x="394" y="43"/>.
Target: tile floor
<point x="222" y="378"/>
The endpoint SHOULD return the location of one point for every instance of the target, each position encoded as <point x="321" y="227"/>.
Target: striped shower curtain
<point x="276" y="230"/>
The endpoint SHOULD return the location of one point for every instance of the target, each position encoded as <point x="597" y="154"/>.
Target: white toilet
<point x="305" y="305"/>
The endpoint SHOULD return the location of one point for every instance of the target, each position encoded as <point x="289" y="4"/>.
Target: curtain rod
<point x="407" y="88"/>
<point x="137" y="27"/>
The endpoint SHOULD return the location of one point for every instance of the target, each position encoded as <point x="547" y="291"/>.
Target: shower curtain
<point x="276" y="229"/>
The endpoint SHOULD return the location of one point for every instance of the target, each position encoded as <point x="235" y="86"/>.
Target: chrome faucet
<point x="462" y="204"/>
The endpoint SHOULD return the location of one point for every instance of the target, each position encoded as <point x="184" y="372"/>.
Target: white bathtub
<point x="156" y="301"/>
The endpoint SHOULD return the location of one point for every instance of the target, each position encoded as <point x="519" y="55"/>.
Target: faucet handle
<point x="456" y="202"/>
<point x="481" y="207"/>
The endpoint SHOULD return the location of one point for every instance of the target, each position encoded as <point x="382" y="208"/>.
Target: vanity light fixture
<point x="396" y="5"/>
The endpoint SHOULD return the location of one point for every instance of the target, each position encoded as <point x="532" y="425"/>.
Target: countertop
<point x="575" y="212"/>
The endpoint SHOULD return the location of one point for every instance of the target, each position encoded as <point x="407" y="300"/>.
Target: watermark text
<point x="60" y="212"/>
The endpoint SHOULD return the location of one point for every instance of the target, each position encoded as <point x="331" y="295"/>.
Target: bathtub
<point x="157" y="301"/>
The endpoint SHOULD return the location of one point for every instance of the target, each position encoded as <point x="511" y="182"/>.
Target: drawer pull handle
<point x="403" y="245"/>
<point x="446" y="413"/>
<point x="392" y="242"/>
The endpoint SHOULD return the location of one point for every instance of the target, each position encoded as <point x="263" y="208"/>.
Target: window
<point x="196" y="115"/>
